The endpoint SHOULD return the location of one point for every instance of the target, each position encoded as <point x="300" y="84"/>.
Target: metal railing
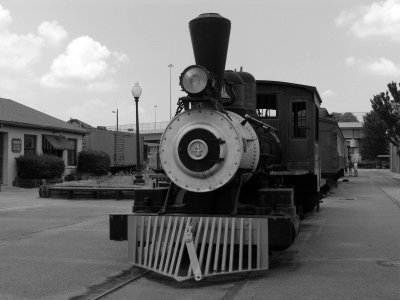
<point x="150" y="127"/>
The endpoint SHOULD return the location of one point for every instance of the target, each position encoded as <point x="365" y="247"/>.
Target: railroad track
<point x="116" y="283"/>
<point x="118" y="286"/>
<point x="390" y="197"/>
<point x="112" y="284"/>
<point x="394" y="200"/>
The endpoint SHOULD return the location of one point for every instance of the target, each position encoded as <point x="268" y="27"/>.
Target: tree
<point x="375" y="141"/>
<point x="345" y="117"/>
<point x="387" y="107"/>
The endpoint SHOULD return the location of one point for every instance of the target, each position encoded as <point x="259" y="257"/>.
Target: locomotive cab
<point x="294" y="110"/>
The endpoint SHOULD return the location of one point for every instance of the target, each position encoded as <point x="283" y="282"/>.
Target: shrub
<point x="40" y="166"/>
<point x="94" y="162"/>
<point x="70" y="177"/>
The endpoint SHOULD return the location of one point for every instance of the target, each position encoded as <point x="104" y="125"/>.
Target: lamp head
<point x="136" y="90"/>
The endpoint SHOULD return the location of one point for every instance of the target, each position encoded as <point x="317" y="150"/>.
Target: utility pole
<point x="170" y="66"/>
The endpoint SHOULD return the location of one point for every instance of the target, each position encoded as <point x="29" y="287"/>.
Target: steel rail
<point x="120" y="285"/>
<point x="387" y="195"/>
<point x="394" y="200"/>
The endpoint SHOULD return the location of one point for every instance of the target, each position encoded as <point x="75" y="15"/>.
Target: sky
<point x="80" y="58"/>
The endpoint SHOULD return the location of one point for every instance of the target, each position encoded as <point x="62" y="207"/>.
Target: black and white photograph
<point x="209" y="149"/>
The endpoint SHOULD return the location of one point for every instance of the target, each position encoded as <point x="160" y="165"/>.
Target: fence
<point x="151" y="127"/>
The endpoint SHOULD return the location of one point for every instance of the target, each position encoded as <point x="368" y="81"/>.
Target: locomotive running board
<point x="214" y="245"/>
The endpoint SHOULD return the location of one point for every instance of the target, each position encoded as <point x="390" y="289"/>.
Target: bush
<point x="94" y="162"/>
<point x="70" y="177"/>
<point x="40" y="166"/>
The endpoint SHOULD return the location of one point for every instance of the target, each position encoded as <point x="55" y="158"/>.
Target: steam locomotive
<point x="243" y="159"/>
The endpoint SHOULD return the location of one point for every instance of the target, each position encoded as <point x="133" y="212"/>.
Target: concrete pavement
<point x="349" y="250"/>
<point x="54" y="248"/>
<point x="58" y="249"/>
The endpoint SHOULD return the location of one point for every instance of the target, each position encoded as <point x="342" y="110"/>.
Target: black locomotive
<point x="243" y="160"/>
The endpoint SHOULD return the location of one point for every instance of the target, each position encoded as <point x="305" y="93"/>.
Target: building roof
<point x="80" y="123"/>
<point x="350" y="125"/>
<point x="16" y="114"/>
<point x="309" y="88"/>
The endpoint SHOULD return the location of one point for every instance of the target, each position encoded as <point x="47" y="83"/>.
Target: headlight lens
<point x="194" y="79"/>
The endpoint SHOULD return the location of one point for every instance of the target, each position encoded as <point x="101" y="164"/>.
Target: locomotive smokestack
<point x="210" y="38"/>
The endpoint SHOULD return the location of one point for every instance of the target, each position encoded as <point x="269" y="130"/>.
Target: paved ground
<point x="350" y="250"/>
<point x="58" y="249"/>
<point x="53" y="248"/>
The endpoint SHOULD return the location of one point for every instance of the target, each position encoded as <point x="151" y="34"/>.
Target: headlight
<point x="194" y="79"/>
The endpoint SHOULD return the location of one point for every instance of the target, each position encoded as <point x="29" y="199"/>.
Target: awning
<point x="57" y="142"/>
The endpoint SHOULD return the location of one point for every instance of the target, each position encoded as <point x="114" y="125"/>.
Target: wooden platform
<point x="72" y="192"/>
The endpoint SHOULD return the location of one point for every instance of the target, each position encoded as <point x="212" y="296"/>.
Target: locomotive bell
<point x="210" y="38"/>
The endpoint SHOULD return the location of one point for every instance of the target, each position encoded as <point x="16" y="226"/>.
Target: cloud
<point x="103" y="86"/>
<point x="383" y="67"/>
<point x="85" y="61"/>
<point x="328" y="94"/>
<point x="7" y="86"/>
<point x="85" y="109"/>
<point x="380" y="66"/>
<point x="5" y="18"/>
<point x="52" y="32"/>
<point x="377" y="19"/>
<point x="351" y="61"/>
<point x="18" y="52"/>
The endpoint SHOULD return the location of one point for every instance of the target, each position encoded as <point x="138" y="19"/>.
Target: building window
<point x="72" y="161"/>
<point x="55" y="152"/>
<point x="299" y="114"/>
<point x="267" y="105"/>
<point x="49" y="149"/>
<point x="56" y="144"/>
<point x="29" y="144"/>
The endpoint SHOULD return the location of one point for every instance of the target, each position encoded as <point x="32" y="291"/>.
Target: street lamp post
<point x="116" y="112"/>
<point x="155" y="116"/>
<point x="136" y="92"/>
<point x="170" y="66"/>
<point x="115" y="144"/>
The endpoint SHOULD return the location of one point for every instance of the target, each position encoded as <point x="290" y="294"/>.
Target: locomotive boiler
<point x="222" y="213"/>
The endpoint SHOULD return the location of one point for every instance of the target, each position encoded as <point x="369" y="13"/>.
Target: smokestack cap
<point x="210" y="38"/>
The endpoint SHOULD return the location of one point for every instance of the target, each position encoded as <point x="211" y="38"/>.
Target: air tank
<point x="250" y="90"/>
<point x="242" y="93"/>
<point x="236" y="92"/>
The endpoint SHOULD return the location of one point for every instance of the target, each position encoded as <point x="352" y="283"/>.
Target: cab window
<point x="299" y="118"/>
<point x="267" y="105"/>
